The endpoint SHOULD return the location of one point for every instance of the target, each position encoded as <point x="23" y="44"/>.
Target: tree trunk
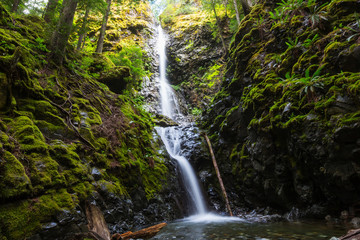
<point x="246" y="7"/>
<point x="218" y="175"/>
<point x="100" y="43"/>
<point x="226" y="2"/>
<point x="237" y="12"/>
<point x="219" y="27"/>
<point x="15" y="5"/>
<point x="50" y="10"/>
<point x="83" y="28"/>
<point x="63" y="30"/>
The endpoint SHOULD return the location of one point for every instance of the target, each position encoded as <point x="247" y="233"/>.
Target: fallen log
<point x="145" y="233"/>
<point x="353" y="234"/>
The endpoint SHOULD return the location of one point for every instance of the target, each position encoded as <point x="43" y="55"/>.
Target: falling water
<point x="169" y="103"/>
<point x="171" y="135"/>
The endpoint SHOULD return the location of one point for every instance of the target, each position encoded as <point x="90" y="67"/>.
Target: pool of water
<point x="206" y="228"/>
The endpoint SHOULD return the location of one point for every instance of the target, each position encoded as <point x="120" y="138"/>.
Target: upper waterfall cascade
<point x="171" y="135"/>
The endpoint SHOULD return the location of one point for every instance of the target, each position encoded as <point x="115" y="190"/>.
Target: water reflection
<point x="240" y="229"/>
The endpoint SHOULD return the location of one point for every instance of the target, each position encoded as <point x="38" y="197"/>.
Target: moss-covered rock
<point x="116" y="78"/>
<point x="287" y="100"/>
<point x="65" y="138"/>
<point x="14" y="181"/>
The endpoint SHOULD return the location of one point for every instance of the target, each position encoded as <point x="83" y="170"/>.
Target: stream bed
<point x="238" y="229"/>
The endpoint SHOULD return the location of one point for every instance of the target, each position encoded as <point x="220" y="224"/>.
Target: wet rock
<point x="96" y="173"/>
<point x="355" y="222"/>
<point x="163" y="121"/>
<point x="341" y="105"/>
<point x="349" y="60"/>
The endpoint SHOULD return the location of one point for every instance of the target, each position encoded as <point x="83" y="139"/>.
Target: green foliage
<point x="291" y="43"/>
<point x="176" y="87"/>
<point x="310" y="41"/>
<point x="355" y="28"/>
<point x="39" y="45"/>
<point x="190" y="44"/>
<point x="196" y="111"/>
<point x="132" y="56"/>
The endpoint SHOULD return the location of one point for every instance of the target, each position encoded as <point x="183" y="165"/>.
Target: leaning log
<point x="145" y="233"/>
<point x="218" y="175"/>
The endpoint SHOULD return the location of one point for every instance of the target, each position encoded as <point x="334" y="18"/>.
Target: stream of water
<point x="202" y="224"/>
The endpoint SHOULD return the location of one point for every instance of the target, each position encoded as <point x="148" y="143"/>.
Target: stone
<point x="355" y="222"/>
<point x="349" y="60"/>
<point x="115" y="78"/>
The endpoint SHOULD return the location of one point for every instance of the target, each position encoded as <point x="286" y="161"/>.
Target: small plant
<point x="291" y="43"/>
<point x="276" y="15"/>
<point x="175" y="87"/>
<point x="289" y="77"/>
<point x="311" y="84"/>
<point x="316" y="15"/>
<point x="355" y="29"/>
<point x="190" y="44"/>
<point x="310" y="41"/>
<point x="196" y="111"/>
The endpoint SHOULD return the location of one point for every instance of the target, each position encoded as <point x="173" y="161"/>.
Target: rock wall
<point x="286" y="122"/>
<point x="195" y="55"/>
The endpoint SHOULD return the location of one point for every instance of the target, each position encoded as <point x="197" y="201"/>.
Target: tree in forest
<point x="50" y="10"/>
<point x="211" y="4"/>
<point x="61" y="34"/>
<point x="90" y="5"/>
<point x="15" y="5"/>
<point x="100" y="43"/>
<point x="237" y="12"/>
<point x="246" y="6"/>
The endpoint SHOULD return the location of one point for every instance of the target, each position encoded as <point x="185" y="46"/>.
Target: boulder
<point x="115" y="78"/>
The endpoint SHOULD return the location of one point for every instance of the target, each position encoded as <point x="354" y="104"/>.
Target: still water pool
<point x="236" y="228"/>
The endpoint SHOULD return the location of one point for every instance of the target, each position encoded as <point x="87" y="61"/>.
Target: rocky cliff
<point x="286" y="122"/>
<point x="195" y="53"/>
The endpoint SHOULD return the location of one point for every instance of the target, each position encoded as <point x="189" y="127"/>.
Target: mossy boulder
<point x="116" y="78"/>
<point x="14" y="181"/>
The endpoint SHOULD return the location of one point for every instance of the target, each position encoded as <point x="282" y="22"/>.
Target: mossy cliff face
<point x="66" y="139"/>
<point x="286" y="123"/>
<point x="195" y="52"/>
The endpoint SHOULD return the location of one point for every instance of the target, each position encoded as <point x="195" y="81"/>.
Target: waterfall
<point x="171" y="135"/>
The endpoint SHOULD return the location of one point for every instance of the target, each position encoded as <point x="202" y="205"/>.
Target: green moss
<point x="21" y="219"/>
<point x="42" y="110"/>
<point x="64" y="155"/>
<point x="28" y="135"/>
<point x="83" y="190"/>
<point x="349" y="118"/>
<point x="13" y="180"/>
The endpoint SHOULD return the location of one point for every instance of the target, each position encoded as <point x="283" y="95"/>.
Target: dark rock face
<point x="285" y="126"/>
<point x="193" y="52"/>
